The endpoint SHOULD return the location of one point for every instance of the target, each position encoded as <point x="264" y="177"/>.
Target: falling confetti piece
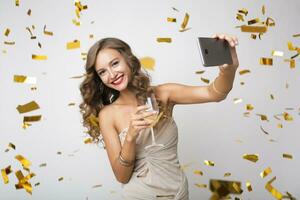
<point x="288" y="156"/>
<point x="198" y="172"/>
<point x="39" y="57"/>
<point x="170" y="19"/>
<point x="5" y="172"/>
<point x="11" y="145"/>
<point x="175" y="9"/>
<point x="240" y="17"/>
<point x="263" y="9"/>
<point x="167" y="40"/>
<point x="266" y="172"/>
<point x="88" y="141"/>
<point x="209" y="163"/>
<point x="253" y="29"/>
<point x="277" y="53"/>
<point x="200" y="72"/>
<point x="253" y="21"/>
<point x="287" y="116"/>
<point x="81" y="76"/>
<point x="253" y="36"/>
<point x="237" y="100"/>
<point x="7" y="31"/>
<point x="266" y="61"/>
<point x="248" y="185"/>
<point x="245" y="71"/>
<point x="25" y="163"/>
<point x="33" y="118"/>
<point x="29" y="12"/>
<point x="201" y="185"/>
<point x="9" y="43"/>
<point x="28" y="107"/>
<point x="24" y="79"/>
<point x="221" y="188"/>
<point x="243" y="11"/>
<point x="227" y="174"/>
<point x="31" y="34"/>
<point x="17" y="2"/>
<point x="147" y="63"/>
<point x="76" y="22"/>
<point x="249" y="107"/>
<point x="292" y="63"/>
<point x="96" y="186"/>
<point x="47" y="32"/>
<point x="43" y="165"/>
<point x="296" y="35"/>
<point x="61" y="178"/>
<point x="263" y="117"/>
<point x="73" y="45"/>
<point x="274" y="192"/>
<point x="37" y="184"/>
<point x="272" y="96"/>
<point x="251" y="157"/>
<point x="205" y="80"/>
<point x="265" y="132"/>
<point x="185" y="21"/>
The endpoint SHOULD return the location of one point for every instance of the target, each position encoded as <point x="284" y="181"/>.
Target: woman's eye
<point x="101" y="73"/>
<point x="115" y="63"/>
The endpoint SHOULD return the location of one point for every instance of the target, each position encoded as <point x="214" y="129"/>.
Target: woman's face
<point x="112" y="68"/>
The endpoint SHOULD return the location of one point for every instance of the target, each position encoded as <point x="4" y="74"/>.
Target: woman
<point x="115" y="90"/>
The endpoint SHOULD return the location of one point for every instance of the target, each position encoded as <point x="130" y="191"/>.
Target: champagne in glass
<point x="151" y="101"/>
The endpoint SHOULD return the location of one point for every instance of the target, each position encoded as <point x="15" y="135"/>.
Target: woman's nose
<point x="112" y="73"/>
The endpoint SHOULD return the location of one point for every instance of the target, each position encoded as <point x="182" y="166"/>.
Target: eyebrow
<point x="108" y="63"/>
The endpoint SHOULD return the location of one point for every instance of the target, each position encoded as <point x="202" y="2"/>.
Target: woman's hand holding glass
<point x="141" y="119"/>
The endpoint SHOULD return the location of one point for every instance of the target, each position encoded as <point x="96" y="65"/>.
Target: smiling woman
<point x="115" y="90"/>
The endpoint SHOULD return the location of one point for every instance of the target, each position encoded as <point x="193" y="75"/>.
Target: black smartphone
<point x="214" y="52"/>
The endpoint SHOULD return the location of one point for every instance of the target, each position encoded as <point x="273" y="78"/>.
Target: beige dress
<point x="157" y="174"/>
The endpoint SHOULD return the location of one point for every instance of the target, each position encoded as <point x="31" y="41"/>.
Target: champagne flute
<point x="151" y="101"/>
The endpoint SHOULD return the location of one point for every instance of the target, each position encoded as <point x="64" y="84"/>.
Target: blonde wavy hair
<point x="95" y="94"/>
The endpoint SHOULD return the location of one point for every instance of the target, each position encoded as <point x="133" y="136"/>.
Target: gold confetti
<point x="242" y="83"/>
<point x="265" y="132"/>
<point x="17" y="2"/>
<point x="201" y="185"/>
<point x="25" y="163"/>
<point x="96" y="186"/>
<point x="263" y="117"/>
<point x="277" y="53"/>
<point x="40" y="45"/>
<point x="59" y="152"/>
<point x="253" y="29"/>
<point x="47" y="32"/>
<point x="29" y="12"/>
<point x="73" y="45"/>
<point x="248" y="185"/>
<point x="11" y="145"/>
<point x="253" y="36"/>
<point x="270" y="22"/>
<point x="9" y="43"/>
<point x="227" y="174"/>
<point x="43" y="165"/>
<point x="24" y="79"/>
<point x="170" y="19"/>
<point x="205" y="80"/>
<point x="33" y="118"/>
<point x="288" y="156"/>
<point x="76" y="22"/>
<point x="279" y="125"/>
<point x="175" y="9"/>
<point x="71" y="104"/>
<point x="237" y="100"/>
<point x="185" y="21"/>
<point x="263" y="9"/>
<point x="5" y="172"/>
<point x="28" y="107"/>
<point x="246" y="114"/>
<point x="88" y="141"/>
<point x="209" y="163"/>
<point x="266" y="172"/>
<point x="60" y="178"/>
<point x="251" y="157"/>
<point x="274" y="192"/>
<point x="26" y="125"/>
<point x="243" y="11"/>
<point x="91" y="36"/>
<point x="81" y="76"/>
<point x="296" y="35"/>
<point x="37" y="184"/>
<point x="287" y="116"/>
<point x="198" y="172"/>
<point x="39" y="57"/>
<point x="23" y="181"/>
<point x="245" y="71"/>
<point x="147" y="63"/>
<point x="272" y="96"/>
<point x="266" y="61"/>
<point x="253" y="21"/>
<point x="200" y="72"/>
<point x="240" y="17"/>
<point x="7" y="31"/>
<point x="249" y="107"/>
<point x="221" y="188"/>
<point x="292" y="63"/>
<point x="167" y="40"/>
<point x="31" y="34"/>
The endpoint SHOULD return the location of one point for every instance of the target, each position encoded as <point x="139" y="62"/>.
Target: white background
<point x="206" y="132"/>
